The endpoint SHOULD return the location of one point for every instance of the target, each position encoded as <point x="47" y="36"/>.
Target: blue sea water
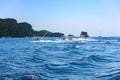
<point x="22" y="59"/>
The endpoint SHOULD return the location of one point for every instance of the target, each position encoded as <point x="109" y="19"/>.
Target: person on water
<point x="63" y="38"/>
<point x="37" y="39"/>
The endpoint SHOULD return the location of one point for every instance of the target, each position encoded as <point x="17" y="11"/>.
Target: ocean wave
<point x="90" y="60"/>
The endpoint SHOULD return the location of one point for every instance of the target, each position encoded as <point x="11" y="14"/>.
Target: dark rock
<point x="70" y="35"/>
<point x="84" y="34"/>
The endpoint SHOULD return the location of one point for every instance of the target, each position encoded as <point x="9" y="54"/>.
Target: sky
<point x="97" y="17"/>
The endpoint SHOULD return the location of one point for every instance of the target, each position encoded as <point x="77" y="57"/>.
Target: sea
<point x="94" y="58"/>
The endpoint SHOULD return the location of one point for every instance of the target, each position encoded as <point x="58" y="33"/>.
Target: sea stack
<point x="84" y="34"/>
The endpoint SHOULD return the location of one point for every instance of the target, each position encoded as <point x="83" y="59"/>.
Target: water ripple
<point x="20" y="59"/>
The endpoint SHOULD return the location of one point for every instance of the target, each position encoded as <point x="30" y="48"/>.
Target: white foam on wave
<point x="89" y="40"/>
<point x="77" y="46"/>
<point x="66" y="40"/>
<point x="50" y="41"/>
<point x="83" y="39"/>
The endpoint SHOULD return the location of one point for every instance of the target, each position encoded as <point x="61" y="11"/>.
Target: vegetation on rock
<point x="10" y="28"/>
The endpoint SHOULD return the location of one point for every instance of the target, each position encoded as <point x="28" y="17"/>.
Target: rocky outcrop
<point x="84" y="34"/>
<point x="70" y="35"/>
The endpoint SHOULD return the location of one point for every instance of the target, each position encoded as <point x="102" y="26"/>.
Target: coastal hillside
<point x="11" y="28"/>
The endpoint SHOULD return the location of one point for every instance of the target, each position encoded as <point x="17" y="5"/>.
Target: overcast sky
<point x="67" y="16"/>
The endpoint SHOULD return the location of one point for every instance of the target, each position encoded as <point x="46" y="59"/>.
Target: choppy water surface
<point x="21" y="59"/>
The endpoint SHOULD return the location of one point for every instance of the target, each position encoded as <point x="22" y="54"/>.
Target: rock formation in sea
<point x="70" y="35"/>
<point x="84" y="34"/>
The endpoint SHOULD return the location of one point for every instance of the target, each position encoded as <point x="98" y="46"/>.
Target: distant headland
<point x="9" y="27"/>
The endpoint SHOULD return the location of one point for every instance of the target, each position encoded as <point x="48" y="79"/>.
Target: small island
<point x="10" y="28"/>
